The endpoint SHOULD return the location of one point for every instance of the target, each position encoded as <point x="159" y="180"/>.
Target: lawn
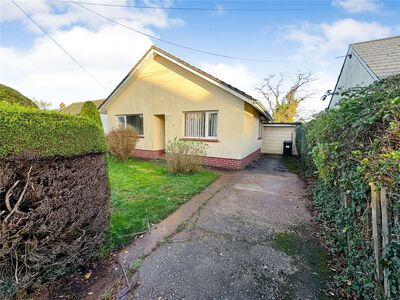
<point x="143" y="193"/>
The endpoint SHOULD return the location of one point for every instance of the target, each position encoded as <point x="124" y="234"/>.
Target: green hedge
<point x="32" y="132"/>
<point x="343" y="149"/>
<point x="12" y="96"/>
<point x="89" y="110"/>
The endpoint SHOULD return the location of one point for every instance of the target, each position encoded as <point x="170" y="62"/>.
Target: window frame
<point x="206" y="125"/>
<point x="126" y="121"/>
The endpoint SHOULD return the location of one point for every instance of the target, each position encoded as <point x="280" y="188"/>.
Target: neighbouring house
<point x="163" y="97"/>
<point x="75" y="109"/>
<point x="367" y="62"/>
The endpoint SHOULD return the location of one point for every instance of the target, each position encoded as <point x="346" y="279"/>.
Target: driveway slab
<point x="251" y="240"/>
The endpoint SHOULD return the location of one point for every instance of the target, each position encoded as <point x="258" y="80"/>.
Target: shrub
<point x="53" y="195"/>
<point x="122" y="142"/>
<point x="346" y="148"/>
<point x="90" y="111"/>
<point x="12" y="96"/>
<point x="184" y="156"/>
<point x="33" y="132"/>
<point x="59" y="223"/>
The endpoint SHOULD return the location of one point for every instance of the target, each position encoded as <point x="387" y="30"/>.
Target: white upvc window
<point x="201" y="124"/>
<point x="133" y="121"/>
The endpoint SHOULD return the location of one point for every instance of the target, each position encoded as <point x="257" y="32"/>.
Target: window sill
<point x="141" y="136"/>
<point x="200" y="140"/>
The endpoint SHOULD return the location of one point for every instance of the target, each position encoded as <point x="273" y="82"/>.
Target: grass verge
<point x="144" y="193"/>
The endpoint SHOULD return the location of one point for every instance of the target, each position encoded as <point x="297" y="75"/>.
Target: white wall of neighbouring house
<point x="354" y="73"/>
<point x="104" y="122"/>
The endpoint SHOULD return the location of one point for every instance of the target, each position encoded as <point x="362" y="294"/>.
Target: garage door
<point x="273" y="137"/>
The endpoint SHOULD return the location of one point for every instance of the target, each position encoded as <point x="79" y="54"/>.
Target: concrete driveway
<point x="252" y="240"/>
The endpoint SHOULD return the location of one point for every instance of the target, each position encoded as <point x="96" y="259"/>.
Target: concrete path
<point x="251" y="240"/>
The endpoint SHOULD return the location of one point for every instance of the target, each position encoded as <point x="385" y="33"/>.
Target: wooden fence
<point x="381" y="220"/>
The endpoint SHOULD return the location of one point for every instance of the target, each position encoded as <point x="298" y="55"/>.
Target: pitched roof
<point x="233" y="90"/>
<point x="75" y="108"/>
<point x="381" y="56"/>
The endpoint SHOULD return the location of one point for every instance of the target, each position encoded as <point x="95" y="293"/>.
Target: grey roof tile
<point x="381" y="56"/>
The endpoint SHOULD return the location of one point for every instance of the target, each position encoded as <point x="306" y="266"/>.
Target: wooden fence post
<point x="376" y="230"/>
<point x="386" y="218"/>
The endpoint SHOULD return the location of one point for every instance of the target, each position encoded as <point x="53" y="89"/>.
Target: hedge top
<point x="31" y="132"/>
<point x="12" y="96"/>
<point x="89" y="110"/>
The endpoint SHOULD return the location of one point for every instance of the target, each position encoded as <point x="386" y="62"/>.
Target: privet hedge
<point x="12" y="96"/>
<point x="53" y="196"/>
<point x="89" y="110"/>
<point x="33" y="132"/>
<point x="343" y="149"/>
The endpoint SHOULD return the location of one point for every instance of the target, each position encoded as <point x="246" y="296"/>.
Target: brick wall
<point x="230" y="163"/>
<point x="148" y="154"/>
<point x="216" y="162"/>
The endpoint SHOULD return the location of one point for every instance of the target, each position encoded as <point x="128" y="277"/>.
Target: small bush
<point x="90" y="111"/>
<point x="122" y="142"/>
<point x="184" y="156"/>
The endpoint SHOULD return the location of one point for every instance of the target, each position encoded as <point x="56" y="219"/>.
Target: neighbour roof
<point x="254" y="102"/>
<point x="381" y="56"/>
<point x="75" y="108"/>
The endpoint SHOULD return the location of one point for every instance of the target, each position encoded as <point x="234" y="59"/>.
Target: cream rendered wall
<point x="162" y="87"/>
<point x="251" y="119"/>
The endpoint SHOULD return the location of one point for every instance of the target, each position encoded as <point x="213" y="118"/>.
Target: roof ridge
<point x="376" y="40"/>
<point x="204" y="72"/>
<point x="195" y="69"/>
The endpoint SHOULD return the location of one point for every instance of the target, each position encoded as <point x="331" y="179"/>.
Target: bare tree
<point x="283" y="104"/>
<point x="42" y="104"/>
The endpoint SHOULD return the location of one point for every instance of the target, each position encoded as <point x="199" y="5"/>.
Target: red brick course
<point x="216" y="162"/>
<point x="230" y="163"/>
<point x="148" y="154"/>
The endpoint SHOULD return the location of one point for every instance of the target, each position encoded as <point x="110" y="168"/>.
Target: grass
<point x="287" y="242"/>
<point x="144" y="193"/>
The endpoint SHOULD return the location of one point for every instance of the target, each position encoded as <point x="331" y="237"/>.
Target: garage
<point x="274" y="134"/>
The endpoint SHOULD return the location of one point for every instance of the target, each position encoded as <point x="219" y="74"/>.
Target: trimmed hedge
<point x="32" y="132"/>
<point x="90" y="111"/>
<point x="343" y="149"/>
<point x="12" y="96"/>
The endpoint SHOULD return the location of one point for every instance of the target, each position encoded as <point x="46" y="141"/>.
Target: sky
<point x="278" y="36"/>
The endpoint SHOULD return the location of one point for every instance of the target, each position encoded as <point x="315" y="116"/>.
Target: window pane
<point x="212" y="124"/>
<point x="121" y="121"/>
<point x="135" y="122"/>
<point x="195" y="124"/>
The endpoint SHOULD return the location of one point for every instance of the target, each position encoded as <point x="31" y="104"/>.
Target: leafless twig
<point x="21" y="197"/>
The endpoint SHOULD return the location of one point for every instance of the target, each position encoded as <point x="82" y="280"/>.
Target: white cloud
<point x="324" y="41"/>
<point x="356" y="6"/>
<point x="106" y="50"/>
<point x="319" y="44"/>
<point x="44" y="72"/>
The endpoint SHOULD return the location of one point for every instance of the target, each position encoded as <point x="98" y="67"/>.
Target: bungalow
<point x="163" y="97"/>
<point x="367" y="62"/>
